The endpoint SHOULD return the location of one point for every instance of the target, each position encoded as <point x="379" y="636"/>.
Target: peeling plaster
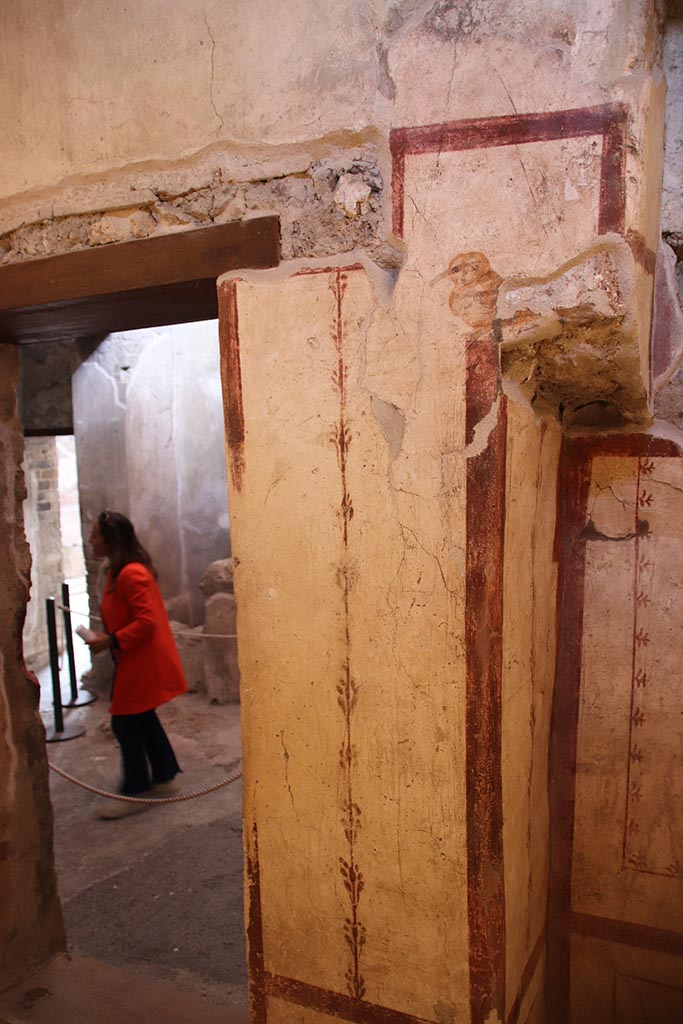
<point x="482" y="431"/>
<point x="392" y="421"/>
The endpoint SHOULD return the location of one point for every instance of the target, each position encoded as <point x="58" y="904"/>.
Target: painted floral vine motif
<point x="633" y="856"/>
<point x="347" y="687"/>
<point x="634" y="851"/>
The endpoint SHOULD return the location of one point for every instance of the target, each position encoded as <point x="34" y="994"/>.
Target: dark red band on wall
<point x="608" y="120"/>
<point x="573" y="484"/>
<point x="485" y="521"/>
<point x="231" y="378"/>
<point x="335" y="1003"/>
<point x="528" y="973"/>
<point x="627" y="933"/>
<point x="257" y="989"/>
<point x="613" y="176"/>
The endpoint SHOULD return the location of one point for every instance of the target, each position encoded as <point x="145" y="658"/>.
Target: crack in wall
<point x="213" y="69"/>
<point x="431" y="554"/>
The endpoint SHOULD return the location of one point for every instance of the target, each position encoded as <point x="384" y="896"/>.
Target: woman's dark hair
<point x="123" y="546"/>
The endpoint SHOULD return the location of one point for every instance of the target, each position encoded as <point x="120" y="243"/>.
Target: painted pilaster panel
<point x="351" y="593"/>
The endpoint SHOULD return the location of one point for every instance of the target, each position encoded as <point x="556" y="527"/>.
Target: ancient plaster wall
<point x="145" y="404"/>
<point x="30" y="917"/>
<point x="396" y="528"/>
<point x="385" y="445"/>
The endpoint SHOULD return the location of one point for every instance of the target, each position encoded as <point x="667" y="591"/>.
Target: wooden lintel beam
<point x="144" y="263"/>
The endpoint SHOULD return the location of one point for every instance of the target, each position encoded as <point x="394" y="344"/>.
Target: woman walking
<point x="148" y="671"/>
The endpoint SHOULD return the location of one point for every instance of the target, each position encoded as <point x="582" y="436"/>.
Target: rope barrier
<point x="144" y="799"/>
<point x="196" y="636"/>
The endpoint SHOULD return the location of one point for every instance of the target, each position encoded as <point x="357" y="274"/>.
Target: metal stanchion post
<point x="60" y="731"/>
<point x="87" y="698"/>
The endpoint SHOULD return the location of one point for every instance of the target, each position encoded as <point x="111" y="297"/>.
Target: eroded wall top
<point x="91" y="92"/>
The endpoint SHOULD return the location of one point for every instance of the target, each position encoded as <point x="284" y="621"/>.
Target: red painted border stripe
<point x="613" y="177"/>
<point x="334" y="1003"/>
<point x="528" y="973"/>
<point x="257" y="992"/>
<point x="485" y="525"/>
<point x="231" y="378"/>
<point x="574" y="474"/>
<point x="608" y="120"/>
<point x="627" y="933"/>
<point x="632" y="446"/>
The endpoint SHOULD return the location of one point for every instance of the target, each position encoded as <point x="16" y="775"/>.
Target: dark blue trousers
<point x="144" y="746"/>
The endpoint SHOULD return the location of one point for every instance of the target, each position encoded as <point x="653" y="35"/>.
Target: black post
<point x="59" y="731"/>
<point x="76" y="701"/>
<point x="69" y="640"/>
<point x="54" y="663"/>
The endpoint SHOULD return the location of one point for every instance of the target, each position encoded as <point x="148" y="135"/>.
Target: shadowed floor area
<point x="80" y="991"/>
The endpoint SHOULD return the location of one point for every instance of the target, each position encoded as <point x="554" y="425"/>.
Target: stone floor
<point x="72" y="990"/>
<point x="158" y="894"/>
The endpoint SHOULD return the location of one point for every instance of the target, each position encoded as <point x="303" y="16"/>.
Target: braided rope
<point x="195" y="636"/>
<point x="144" y="799"/>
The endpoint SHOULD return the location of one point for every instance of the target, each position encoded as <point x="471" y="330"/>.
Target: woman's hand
<point x="100" y="642"/>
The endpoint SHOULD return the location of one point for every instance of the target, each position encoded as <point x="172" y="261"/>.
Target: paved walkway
<point x="158" y="893"/>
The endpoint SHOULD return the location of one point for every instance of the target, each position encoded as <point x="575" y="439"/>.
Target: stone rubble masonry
<point x="329" y="205"/>
<point x="43" y="531"/>
<point x="31" y="926"/>
<point x="220" y="669"/>
<point x="569" y="343"/>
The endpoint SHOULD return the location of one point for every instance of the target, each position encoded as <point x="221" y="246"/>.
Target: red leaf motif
<point x="642" y="638"/>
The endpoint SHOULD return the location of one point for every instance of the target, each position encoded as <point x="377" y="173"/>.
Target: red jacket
<point x="148" y="668"/>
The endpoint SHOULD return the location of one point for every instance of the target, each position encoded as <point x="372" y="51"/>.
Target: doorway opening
<point x="160" y="894"/>
<point x="60" y="309"/>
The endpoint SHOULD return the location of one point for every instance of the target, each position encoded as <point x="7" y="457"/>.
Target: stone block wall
<point x="31" y="928"/>
<point x="145" y="404"/>
<point x="43" y="531"/>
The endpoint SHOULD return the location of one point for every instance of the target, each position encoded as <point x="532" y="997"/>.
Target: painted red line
<point x="257" y="987"/>
<point x="626" y="933"/>
<point x="634" y="658"/>
<point x="574" y="470"/>
<point x="621" y="445"/>
<point x="528" y="973"/>
<point x="613" y="176"/>
<point x="231" y="378"/>
<point x="398" y="175"/>
<point x="573" y="484"/>
<point x="509" y="130"/>
<point x="485" y="522"/>
<point x="608" y="120"/>
<point x="334" y="1003"/>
